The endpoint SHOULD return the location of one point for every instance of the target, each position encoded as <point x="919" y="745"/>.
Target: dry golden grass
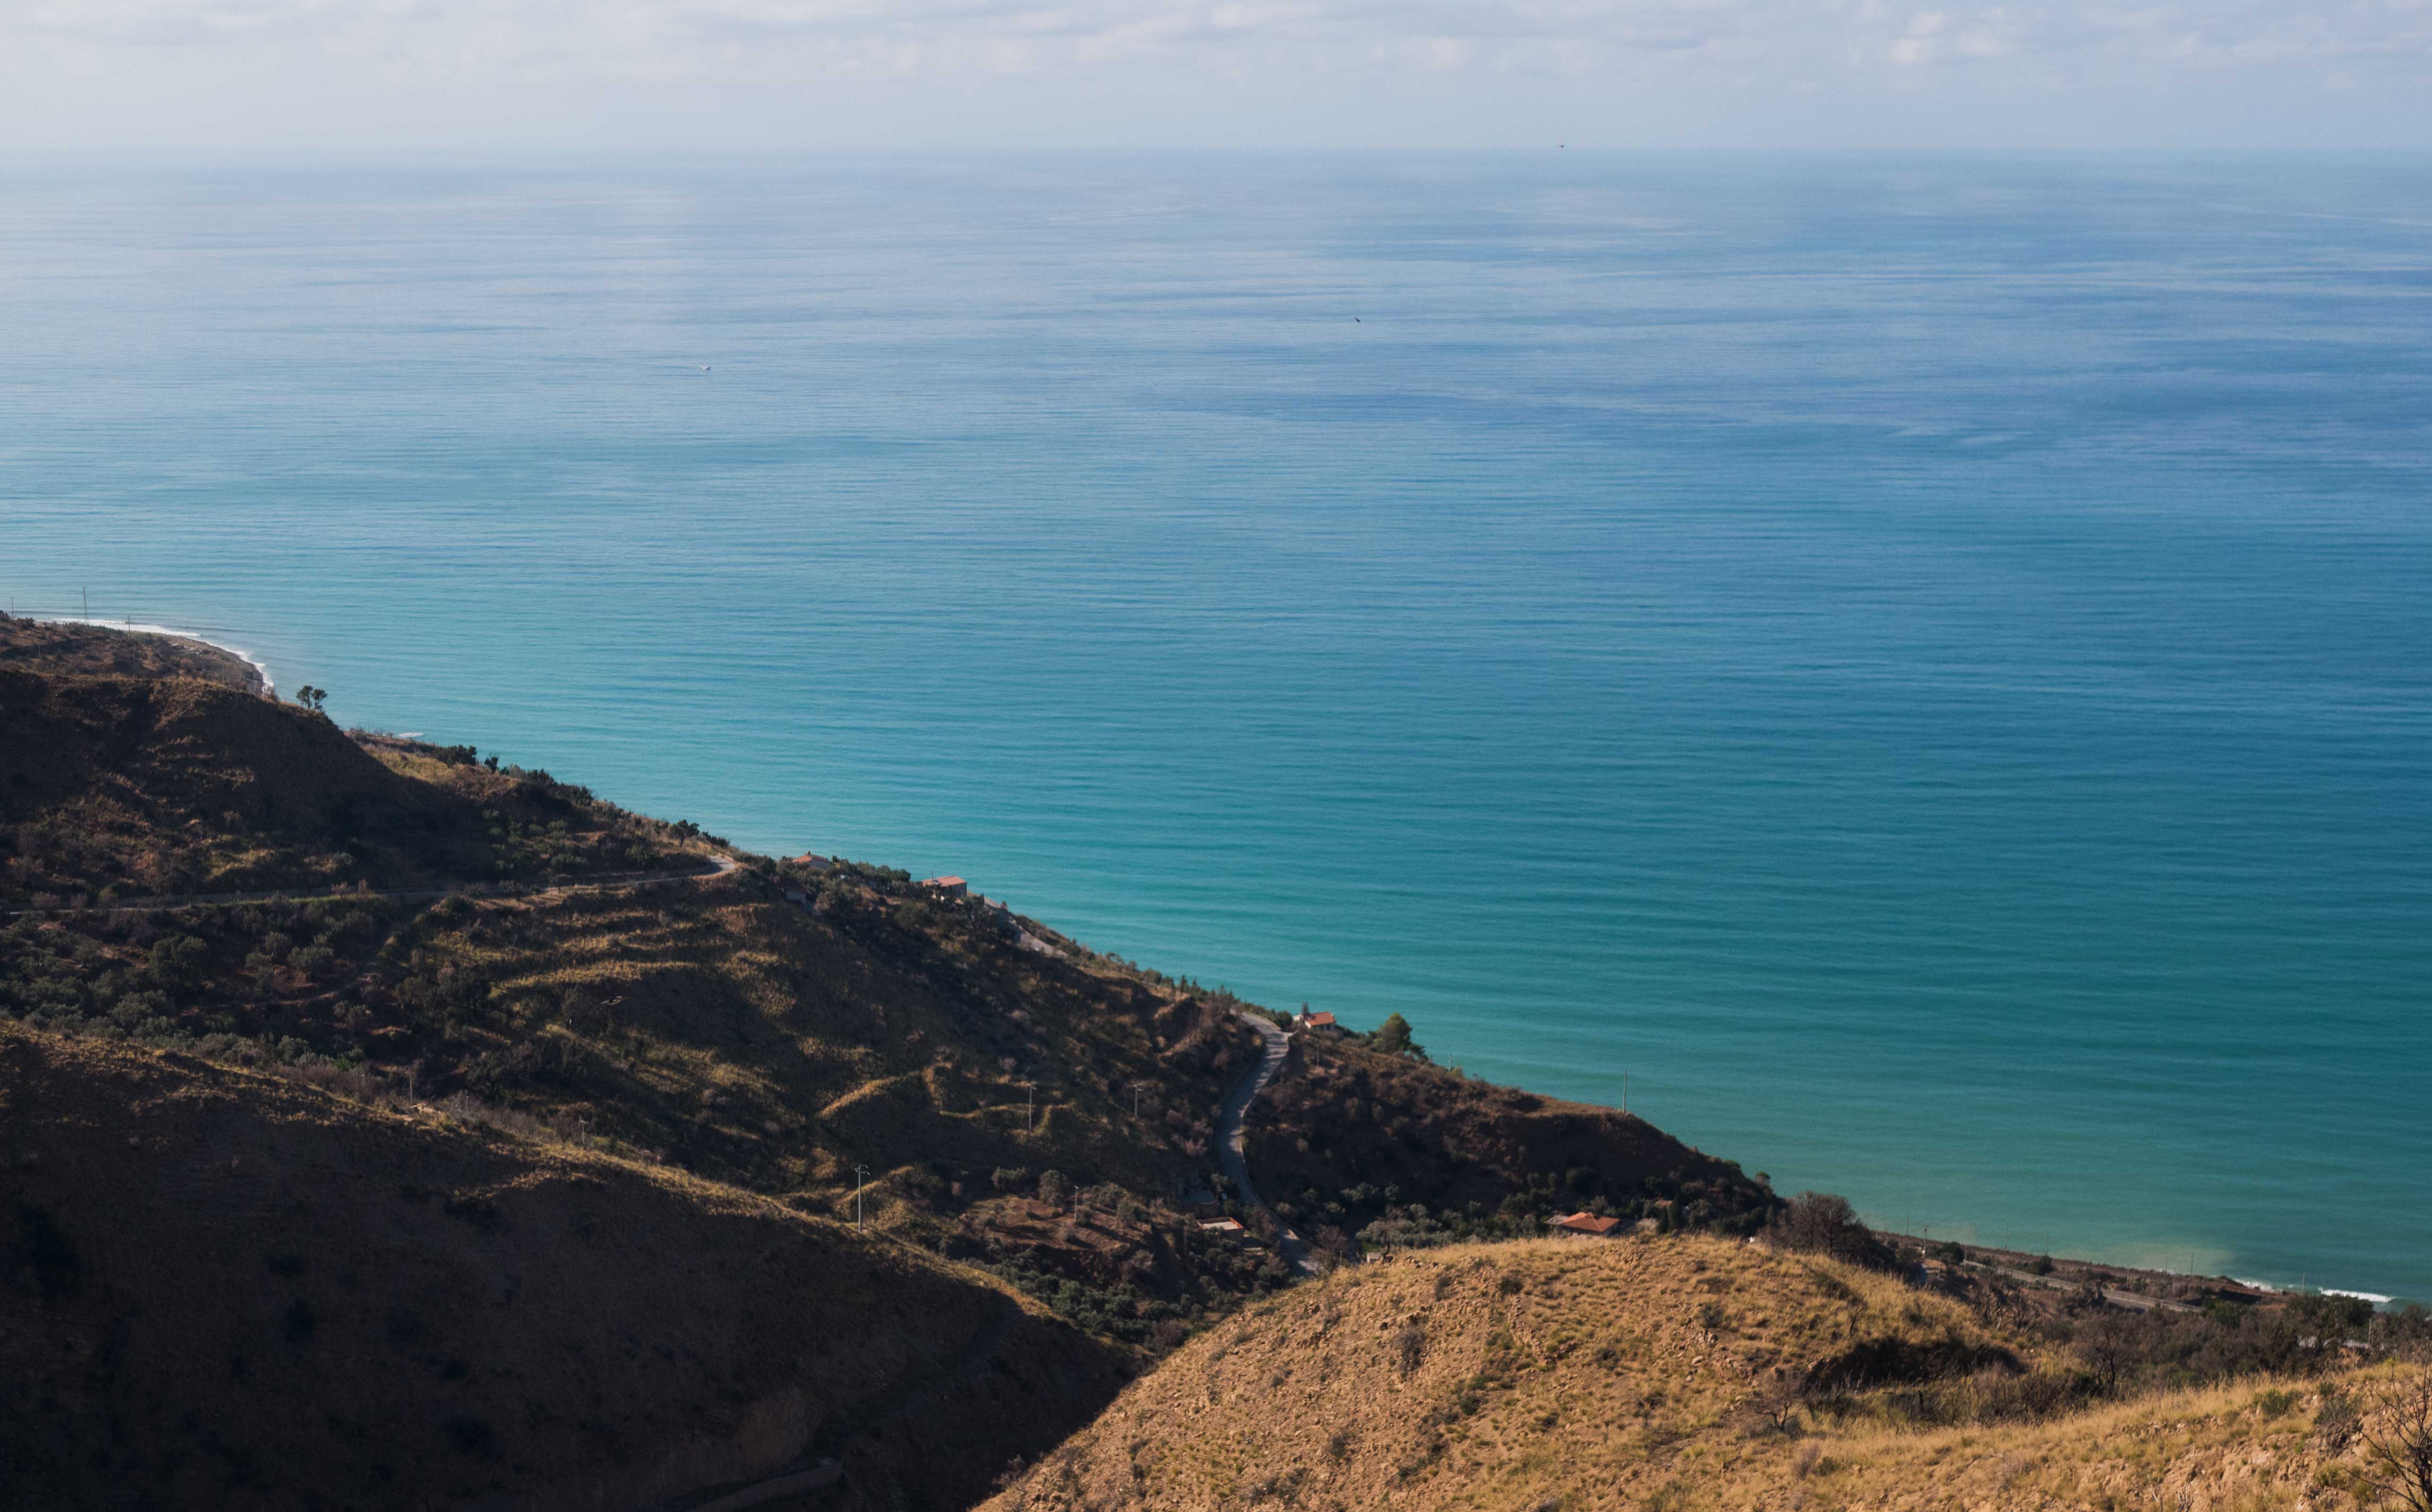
<point x="1632" y="1374"/>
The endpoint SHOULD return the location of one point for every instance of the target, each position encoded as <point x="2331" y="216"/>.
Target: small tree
<point x="1055" y="1188"/>
<point x="1822" y="1223"/>
<point x="2395" y="1431"/>
<point x="1777" y="1402"/>
<point x="1393" y="1037"/>
<point x="178" y="961"/>
<point x="2104" y="1344"/>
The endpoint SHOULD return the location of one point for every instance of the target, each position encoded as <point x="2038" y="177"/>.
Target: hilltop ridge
<point x="1694" y="1374"/>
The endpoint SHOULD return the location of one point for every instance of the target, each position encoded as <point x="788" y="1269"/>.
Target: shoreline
<point x="2094" y="1260"/>
<point x="2072" y="1264"/>
<point x="2069" y="1268"/>
<point x="269" y="688"/>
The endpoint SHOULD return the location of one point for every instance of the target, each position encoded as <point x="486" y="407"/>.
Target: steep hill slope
<point x="753" y="1041"/>
<point x="1680" y="1373"/>
<point x="1014" y="1098"/>
<point x="825" y="1036"/>
<point x="1354" y="1141"/>
<point x="119" y="786"/>
<point x="223" y="1287"/>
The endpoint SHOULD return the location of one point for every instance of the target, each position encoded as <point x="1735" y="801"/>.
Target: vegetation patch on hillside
<point x="1699" y="1373"/>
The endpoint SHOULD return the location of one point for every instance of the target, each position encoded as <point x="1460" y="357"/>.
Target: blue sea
<point x="1915" y="672"/>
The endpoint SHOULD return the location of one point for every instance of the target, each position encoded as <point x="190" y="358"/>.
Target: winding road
<point x="1228" y="1133"/>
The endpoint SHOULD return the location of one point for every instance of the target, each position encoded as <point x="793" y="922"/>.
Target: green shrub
<point x="178" y="961"/>
<point x="1393" y="1037"/>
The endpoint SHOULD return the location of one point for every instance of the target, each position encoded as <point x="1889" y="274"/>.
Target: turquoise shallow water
<point x="1922" y="667"/>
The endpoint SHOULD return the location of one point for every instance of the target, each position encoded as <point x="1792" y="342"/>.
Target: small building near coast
<point x="946" y="887"/>
<point x="1304" y="1020"/>
<point x="1587" y="1226"/>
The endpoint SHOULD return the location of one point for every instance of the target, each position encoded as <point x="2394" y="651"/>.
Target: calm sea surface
<point x="1924" y="667"/>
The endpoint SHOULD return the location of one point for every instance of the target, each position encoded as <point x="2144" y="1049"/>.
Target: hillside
<point x="1680" y="1373"/>
<point x="94" y="650"/>
<point x="717" y="1027"/>
<point x="1016" y="1100"/>
<point x="1352" y="1140"/>
<point x="125" y="787"/>
<point x="776" y="1043"/>
<point x="219" y="1287"/>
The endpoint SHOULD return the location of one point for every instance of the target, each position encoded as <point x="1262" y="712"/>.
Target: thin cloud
<point x="1462" y="30"/>
<point x="72" y="63"/>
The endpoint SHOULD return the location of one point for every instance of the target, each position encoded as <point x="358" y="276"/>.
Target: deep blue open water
<point x="1923" y="667"/>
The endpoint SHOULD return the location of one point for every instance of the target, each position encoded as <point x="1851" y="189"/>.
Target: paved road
<point x="1228" y="1132"/>
<point x="718" y="867"/>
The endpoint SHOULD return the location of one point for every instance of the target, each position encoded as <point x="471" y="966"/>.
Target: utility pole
<point x="862" y="1174"/>
<point x="1028" y="1093"/>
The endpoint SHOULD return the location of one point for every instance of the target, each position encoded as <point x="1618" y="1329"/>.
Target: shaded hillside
<point x="714" y="1026"/>
<point x="136" y="787"/>
<point x="1360" y="1141"/>
<point x="91" y="651"/>
<point x="718" y="1027"/>
<point x="220" y="1287"/>
<point x="1680" y="1373"/>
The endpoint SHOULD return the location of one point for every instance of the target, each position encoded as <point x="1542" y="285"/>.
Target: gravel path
<point x="1228" y="1133"/>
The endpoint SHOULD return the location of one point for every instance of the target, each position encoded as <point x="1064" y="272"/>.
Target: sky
<point x="182" y="75"/>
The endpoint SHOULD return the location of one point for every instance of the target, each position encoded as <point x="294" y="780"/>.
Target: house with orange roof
<point x="1586" y="1226"/>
